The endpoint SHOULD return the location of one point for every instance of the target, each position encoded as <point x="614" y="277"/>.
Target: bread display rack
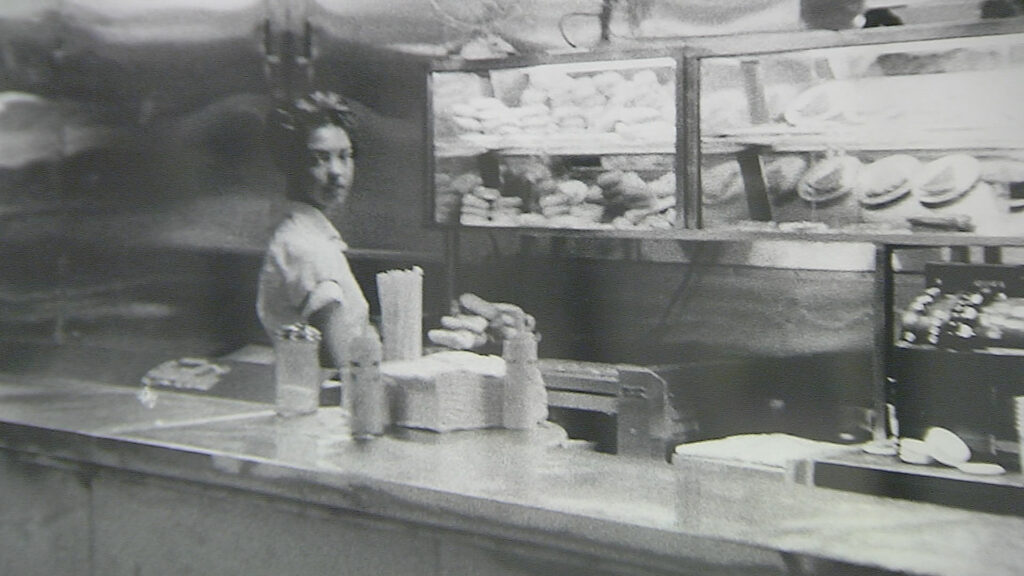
<point x="867" y="134"/>
<point x="907" y="137"/>
<point x="571" y="141"/>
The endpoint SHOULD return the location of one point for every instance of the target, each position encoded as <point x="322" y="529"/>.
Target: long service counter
<point x="95" y="482"/>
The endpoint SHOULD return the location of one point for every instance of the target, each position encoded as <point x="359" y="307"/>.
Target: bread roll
<point x="475" y="211"/>
<point x="508" y="202"/>
<point x="551" y="200"/>
<point x="829" y="179"/>
<point x="721" y="184"/>
<point x="456" y="339"/>
<point x="477" y="305"/>
<point x="470" y="322"/>
<point x="605" y="82"/>
<point x="575" y="190"/>
<point x="474" y="201"/>
<point x="532" y="96"/>
<point x="947" y="179"/>
<point x="820" y="103"/>
<point x="465" y="183"/>
<point x="887" y="180"/>
<point x="467" y="124"/>
<point x="486" y="193"/>
<point x="473" y="220"/>
<point x="782" y="175"/>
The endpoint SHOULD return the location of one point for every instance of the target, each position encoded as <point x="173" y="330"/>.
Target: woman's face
<point x="331" y="166"/>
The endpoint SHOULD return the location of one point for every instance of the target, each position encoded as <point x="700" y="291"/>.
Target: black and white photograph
<point x="512" y="287"/>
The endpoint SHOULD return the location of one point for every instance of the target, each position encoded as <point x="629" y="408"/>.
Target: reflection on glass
<point x="128" y="135"/>
<point x="890" y="138"/>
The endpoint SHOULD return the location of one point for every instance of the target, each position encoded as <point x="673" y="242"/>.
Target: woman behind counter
<point x="305" y="277"/>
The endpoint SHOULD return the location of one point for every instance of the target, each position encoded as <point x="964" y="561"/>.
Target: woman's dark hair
<point x="288" y="128"/>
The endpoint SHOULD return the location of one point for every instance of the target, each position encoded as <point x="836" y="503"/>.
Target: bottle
<point x="364" y="386"/>
<point x="297" y="369"/>
<point x="524" y="398"/>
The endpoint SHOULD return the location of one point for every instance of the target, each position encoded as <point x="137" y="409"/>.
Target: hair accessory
<point x="283" y="119"/>
<point x="320" y="100"/>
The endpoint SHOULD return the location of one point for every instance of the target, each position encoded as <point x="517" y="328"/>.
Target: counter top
<point x="528" y="486"/>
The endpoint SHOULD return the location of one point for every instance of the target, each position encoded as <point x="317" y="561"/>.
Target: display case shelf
<point x="891" y="239"/>
<point x="584" y="145"/>
<point x="787" y="139"/>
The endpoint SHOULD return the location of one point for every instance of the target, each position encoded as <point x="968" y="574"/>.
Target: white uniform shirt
<point x="304" y="269"/>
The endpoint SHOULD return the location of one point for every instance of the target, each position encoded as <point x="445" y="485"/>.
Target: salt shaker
<point x="524" y="398"/>
<point x="365" y="387"/>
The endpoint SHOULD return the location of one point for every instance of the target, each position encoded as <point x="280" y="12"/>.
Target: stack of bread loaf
<point x="474" y="321"/>
<point x="630" y="201"/>
<point x="485" y="206"/>
<point x="464" y="198"/>
<point x="447" y="90"/>
<point x="636" y="106"/>
<point x="485" y="115"/>
<point x="571" y="204"/>
<point x="533" y="197"/>
<point x="957" y="191"/>
<point x="448" y="193"/>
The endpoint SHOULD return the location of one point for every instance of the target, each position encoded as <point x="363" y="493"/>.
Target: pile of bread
<point x="473" y="322"/>
<point x="935" y="184"/>
<point x="475" y="204"/>
<point x="531" y="196"/>
<point x="636" y="106"/>
<point x="954" y="191"/>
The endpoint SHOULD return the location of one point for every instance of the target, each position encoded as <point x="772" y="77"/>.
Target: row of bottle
<point x="298" y="378"/>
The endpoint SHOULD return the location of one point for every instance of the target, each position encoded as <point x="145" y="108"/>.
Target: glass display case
<point x="577" y="141"/>
<point x="865" y="133"/>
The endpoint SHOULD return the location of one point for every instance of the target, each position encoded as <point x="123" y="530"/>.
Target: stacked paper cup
<point x="401" y="310"/>
<point x="1018" y="411"/>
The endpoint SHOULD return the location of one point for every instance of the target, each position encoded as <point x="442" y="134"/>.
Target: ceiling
<point x="432" y="26"/>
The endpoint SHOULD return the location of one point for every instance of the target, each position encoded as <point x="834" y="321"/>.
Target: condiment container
<point x="364" y="386"/>
<point x="524" y="398"/>
<point x="297" y="369"/>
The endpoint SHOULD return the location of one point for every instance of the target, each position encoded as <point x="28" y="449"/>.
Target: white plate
<point x="981" y="468"/>
<point x="914" y="451"/>
<point x="946" y="447"/>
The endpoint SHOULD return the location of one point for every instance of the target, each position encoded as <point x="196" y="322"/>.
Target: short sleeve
<point x="310" y="269"/>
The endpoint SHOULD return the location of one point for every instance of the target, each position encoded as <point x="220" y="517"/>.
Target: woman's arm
<point x="329" y="319"/>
